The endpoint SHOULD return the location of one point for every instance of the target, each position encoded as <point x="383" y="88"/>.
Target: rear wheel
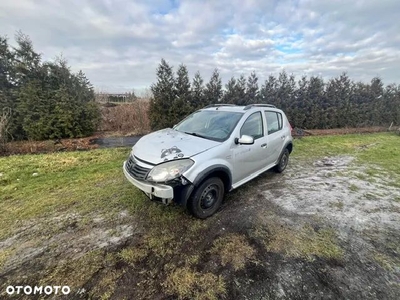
<point x="207" y="198"/>
<point x="283" y="161"/>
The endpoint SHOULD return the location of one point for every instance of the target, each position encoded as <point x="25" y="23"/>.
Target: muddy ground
<point x="323" y="229"/>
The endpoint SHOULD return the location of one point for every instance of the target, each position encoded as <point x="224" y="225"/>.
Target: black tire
<point x="283" y="161"/>
<point x="206" y="198"/>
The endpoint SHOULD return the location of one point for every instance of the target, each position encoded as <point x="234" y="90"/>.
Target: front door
<point x="250" y="158"/>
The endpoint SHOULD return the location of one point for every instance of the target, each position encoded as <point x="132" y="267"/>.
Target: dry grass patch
<point x="233" y="249"/>
<point x="106" y="286"/>
<point x="384" y="261"/>
<point x="77" y="272"/>
<point x="185" y="283"/>
<point x="300" y="242"/>
<point x="4" y="255"/>
<point x="161" y="243"/>
<point x="133" y="255"/>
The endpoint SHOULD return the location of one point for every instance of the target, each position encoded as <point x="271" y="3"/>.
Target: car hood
<point x="168" y="144"/>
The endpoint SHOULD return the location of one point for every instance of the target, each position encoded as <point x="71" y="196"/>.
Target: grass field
<point x="72" y="219"/>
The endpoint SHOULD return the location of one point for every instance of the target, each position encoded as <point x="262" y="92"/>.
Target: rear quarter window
<point x="274" y="121"/>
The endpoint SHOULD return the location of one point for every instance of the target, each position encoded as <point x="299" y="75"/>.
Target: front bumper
<point x="151" y="189"/>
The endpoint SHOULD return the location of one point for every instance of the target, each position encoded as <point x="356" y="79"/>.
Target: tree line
<point x="309" y="102"/>
<point x="45" y="99"/>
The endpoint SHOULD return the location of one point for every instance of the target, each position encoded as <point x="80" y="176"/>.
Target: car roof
<point x="241" y="108"/>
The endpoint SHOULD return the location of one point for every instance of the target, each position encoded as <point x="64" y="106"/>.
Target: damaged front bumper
<point x="151" y="189"/>
<point x="161" y="192"/>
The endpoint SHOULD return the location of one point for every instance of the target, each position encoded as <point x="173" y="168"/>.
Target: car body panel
<point x="168" y="144"/>
<point x="158" y="190"/>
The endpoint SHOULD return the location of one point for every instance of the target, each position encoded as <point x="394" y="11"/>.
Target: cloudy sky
<point x="118" y="44"/>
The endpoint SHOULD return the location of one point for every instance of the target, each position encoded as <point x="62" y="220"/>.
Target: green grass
<point x="73" y="182"/>
<point x="382" y="148"/>
<point x="381" y="151"/>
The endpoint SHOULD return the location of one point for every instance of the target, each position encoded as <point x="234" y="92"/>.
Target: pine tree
<point x="213" y="91"/>
<point x="376" y="92"/>
<point x="230" y="92"/>
<point x="30" y="107"/>
<point x="299" y="108"/>
<point x="6" y="87"/>
<point x="181" y="106"/>
<point x="314" y="103"/>
<point x="164" y="94"/>
<point x="390" y="105"/>
<point x="252" y="91"/>
<point x="197" y="92"/>
<point x="240" y="91"/>
<point x="269" y="91"/>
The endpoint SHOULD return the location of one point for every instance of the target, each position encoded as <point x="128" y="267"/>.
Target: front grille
<point x="135" y="170"/>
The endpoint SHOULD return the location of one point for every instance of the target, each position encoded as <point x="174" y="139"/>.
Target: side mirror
<point x="245" y="140"/>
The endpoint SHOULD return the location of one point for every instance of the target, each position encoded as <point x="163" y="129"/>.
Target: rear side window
<point x="274" y="121"/>
<point x="253" y="126"/>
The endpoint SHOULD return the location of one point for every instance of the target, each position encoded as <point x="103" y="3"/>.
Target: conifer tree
<point x="181" y="106"/>
<point x="213" y="92"/>
<point x="197" y="92"/>
<point x="252" y="90"/>
<point x="164" y="94"/>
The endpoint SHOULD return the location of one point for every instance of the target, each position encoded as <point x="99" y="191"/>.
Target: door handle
<point x="264" y="145"/>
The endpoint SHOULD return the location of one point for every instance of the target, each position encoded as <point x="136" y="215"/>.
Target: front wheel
<point x="207" y="198"/>
<point x="283" y="161"/>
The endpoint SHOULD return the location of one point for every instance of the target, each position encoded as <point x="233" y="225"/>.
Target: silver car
<point x="211" y="152"/>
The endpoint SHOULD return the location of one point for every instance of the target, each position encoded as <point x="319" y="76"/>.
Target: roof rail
<point x="219" y="104"/>
<point x="258" y="105"/>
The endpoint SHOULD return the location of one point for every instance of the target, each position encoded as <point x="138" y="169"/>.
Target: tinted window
<point x="274" y="121"/>
<point x="253" y="126"/>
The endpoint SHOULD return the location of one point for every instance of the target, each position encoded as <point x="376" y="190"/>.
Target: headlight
<point x="169" y="170"/>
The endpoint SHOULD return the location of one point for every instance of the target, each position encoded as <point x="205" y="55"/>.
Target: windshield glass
<point x="210" y="124"/>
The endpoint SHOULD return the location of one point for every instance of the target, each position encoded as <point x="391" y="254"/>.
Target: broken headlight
<point x="169" y="170"/>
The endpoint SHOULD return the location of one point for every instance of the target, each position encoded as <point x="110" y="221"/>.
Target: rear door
<point x="275" y="135"/>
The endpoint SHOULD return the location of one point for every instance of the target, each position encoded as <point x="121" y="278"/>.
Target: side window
<point x="274" y="121"/>
<point x="253" y="126"/>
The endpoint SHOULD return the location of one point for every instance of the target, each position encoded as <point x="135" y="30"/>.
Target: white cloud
<point x="119" y="44"/>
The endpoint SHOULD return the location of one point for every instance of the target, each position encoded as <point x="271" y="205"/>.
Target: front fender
<point x="215" y="169"/>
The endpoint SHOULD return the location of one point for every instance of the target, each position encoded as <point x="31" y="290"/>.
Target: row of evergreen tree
<point x="309" y="102"/>
<point x="46" y="99"/>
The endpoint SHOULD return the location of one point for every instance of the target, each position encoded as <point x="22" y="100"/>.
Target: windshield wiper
<point x="196" y="134"/>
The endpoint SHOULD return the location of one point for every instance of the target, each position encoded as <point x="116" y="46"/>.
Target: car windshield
<point x="210" y="124"/>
